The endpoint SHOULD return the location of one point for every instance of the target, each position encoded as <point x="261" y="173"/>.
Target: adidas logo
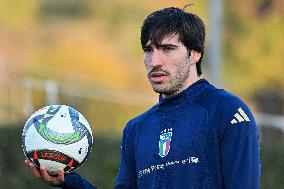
<point x="240" y="116"/>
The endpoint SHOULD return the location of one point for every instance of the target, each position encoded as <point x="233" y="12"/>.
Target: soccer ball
<point x="57" y="136"/>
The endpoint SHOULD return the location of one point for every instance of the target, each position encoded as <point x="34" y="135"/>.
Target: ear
<point x="194" y="57"/>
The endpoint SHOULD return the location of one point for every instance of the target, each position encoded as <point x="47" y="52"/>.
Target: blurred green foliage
<point x="272" y="165"/>
<point x="68" y="9"/>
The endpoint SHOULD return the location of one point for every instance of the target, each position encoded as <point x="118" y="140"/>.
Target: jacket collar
<point x="190" y="94"/>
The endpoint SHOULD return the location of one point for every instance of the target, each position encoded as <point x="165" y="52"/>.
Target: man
<point x="196" y="136"/>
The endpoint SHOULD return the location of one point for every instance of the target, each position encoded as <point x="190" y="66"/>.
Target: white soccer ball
<point x="57" y="136"/>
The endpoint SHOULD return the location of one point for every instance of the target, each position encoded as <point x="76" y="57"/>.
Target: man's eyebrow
<point x="160" y="45"/>
<point x="146" y="46"/>
<point x="167" y="45"/>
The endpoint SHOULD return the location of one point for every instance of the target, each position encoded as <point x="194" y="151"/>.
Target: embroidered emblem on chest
<point x="165" y="142"/>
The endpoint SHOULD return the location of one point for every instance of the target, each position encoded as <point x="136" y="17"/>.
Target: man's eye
<point x="167" y="48"/>
<point x="147" y="50"/>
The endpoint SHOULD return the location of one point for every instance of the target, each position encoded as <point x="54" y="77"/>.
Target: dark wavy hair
<point x="189" y="27"/>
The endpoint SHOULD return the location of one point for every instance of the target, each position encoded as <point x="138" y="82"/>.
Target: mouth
<point x="157" y="77"/>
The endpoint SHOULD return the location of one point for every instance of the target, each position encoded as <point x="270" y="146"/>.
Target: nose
<point x="156" y="59"/>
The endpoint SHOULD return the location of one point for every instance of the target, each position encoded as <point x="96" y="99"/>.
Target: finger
<point x="60" y="173"/>
<point x="45" y="174"/>
<point x="27" y="163"/>
<point x="52" y="180"/>
<point x="35" y="171"/>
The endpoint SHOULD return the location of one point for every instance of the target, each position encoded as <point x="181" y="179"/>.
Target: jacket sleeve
<point x="239" y="146"/>
<point x="75" y="181"/>
<point x="126" y="178"/>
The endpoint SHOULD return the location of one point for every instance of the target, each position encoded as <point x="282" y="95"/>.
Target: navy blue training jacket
<point x="202" y="138"/>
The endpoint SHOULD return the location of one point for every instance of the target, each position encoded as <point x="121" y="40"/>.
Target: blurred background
<point x="87" y="54"/>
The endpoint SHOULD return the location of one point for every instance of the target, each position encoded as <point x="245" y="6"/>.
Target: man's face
<point x="167" y="65"/>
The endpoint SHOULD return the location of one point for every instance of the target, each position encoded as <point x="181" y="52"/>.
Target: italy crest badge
<point x="165" y="142"/>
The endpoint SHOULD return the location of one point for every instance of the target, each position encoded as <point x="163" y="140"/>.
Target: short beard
<point x="174" y="88"/>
